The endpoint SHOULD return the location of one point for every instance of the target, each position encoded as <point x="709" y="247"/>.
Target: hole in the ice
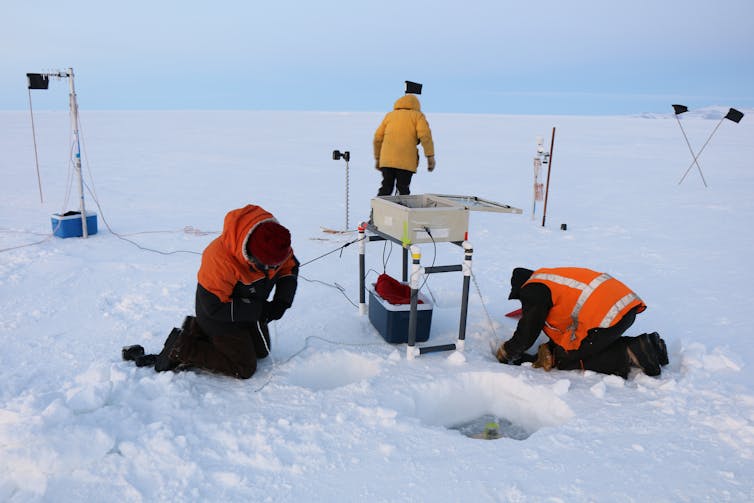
<point x="468" y="402"/>
<point x="491" y="427"/>
<point x="325" y="371"/>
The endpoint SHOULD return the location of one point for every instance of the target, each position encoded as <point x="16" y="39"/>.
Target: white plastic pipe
<point x="77" y="159"/>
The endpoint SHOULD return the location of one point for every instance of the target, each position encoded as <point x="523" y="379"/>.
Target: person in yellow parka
<point x="395" y="141"/>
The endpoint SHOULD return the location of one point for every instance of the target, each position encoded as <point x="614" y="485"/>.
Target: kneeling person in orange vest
<point x="584" y="313"/>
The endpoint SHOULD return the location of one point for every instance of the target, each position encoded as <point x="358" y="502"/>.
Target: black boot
<point x="662" y="350"/>
<point x="643" y="354"/>
<point x="135" y="353"/>
<point x="146" y="360"/>
<point x="184" y="348"/>
<point x="189" y="324"/>
<point x="131" y="353"/>
<point x="163" y="362"/>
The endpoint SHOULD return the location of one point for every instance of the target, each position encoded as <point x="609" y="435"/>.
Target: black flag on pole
<point x="679" y="109"/>
<point x="38" y="81"/>
<point x="734" y="115"/>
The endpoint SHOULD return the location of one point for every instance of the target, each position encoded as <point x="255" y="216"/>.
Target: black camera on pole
<point x="337" y="155"/>
<point x="346" y="156"/>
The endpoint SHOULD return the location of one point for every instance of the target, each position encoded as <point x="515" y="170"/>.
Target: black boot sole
<point x="662" y="350"/>
<point x="642" y="352"/>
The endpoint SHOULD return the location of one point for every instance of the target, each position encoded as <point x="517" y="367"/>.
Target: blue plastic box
<point x="68" y="225"/>
<point x="391" y="320"/>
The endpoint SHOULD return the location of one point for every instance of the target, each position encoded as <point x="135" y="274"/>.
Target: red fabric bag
<point x="392" y="290"/>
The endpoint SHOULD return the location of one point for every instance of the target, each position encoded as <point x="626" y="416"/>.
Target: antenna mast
<point x="77" y="154"/>
<point x="41" y="81"/>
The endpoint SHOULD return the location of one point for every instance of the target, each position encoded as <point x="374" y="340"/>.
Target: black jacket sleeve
<point x="285" y="287"/>
<point x="536" y="302"/>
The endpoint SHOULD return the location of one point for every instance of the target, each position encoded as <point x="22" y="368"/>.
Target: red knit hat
<point x="269" y="243"/>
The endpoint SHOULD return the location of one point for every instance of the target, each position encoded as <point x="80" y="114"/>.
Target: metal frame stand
<point x="76" y="140"/>
<point x="417" y="274"/>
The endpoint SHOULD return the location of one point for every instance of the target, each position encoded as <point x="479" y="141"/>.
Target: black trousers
<point x="233" y="353"/>
<point x="603" y="350"/>
<point x="392" y="177"/>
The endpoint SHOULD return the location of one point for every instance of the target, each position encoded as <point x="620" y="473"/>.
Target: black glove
<point x="274" y="310"/>
<point x="503" y="357"/>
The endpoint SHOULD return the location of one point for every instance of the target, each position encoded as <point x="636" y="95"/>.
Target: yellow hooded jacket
<point x="400" y="131"/>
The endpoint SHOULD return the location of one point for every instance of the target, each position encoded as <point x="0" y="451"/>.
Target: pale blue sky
<point x="474" y="56"/>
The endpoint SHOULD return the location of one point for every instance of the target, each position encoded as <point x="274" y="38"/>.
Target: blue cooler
<point x="391" y="320"/>
<point x="68" y="225"/>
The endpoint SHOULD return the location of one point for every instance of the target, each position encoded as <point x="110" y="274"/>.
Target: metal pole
<point x="699" y="153"/>
<point x="437" y="349"/>
<point x="537" y="167"/>
<point x="692" y="153"/>
<point x="549" y="166"/>
<point x="77" y="159"/>
<point x="36" y="156"/>
<point x="411" y="351"/>
<point x="362" y="252"/>
<point x="468" y="251"/>
<point x="347" y="185"/>
<point x="404" y="270"/>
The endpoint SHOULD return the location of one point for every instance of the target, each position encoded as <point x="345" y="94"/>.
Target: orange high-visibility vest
<point x="583" y="299"/>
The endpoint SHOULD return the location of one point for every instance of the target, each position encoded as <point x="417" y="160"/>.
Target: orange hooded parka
<point x="225" y="261"/>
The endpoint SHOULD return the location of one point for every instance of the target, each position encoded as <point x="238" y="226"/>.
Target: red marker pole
<point x="549" y="166"/>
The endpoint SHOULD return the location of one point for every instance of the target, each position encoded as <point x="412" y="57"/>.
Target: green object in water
<point x="491" y="430"/>
<point x="491" y="427"/>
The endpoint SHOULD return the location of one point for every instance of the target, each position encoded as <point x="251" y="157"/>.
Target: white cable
<point x="269" y="352"/>
<point x="484" y="307"/>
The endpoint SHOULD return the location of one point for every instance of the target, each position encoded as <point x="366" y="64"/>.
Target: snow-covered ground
<point x="337" y="414"/>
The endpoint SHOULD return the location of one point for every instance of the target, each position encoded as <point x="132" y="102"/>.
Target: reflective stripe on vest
<point x="586" y="291"/>
<point x="612" y="314"/>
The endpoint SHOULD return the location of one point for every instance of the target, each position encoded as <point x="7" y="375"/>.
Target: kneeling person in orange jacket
<point x="584" y="313"/>
<point x="238" y="272"/>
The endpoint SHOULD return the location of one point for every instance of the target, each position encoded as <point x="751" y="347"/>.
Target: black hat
<point x="520" y="276"/>
<point x="413" y="87"/>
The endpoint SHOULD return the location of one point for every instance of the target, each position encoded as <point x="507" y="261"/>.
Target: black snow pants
<point x="392" y="177"/>
<point x="234" y="352"/>
<point x="603" y="350"/>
